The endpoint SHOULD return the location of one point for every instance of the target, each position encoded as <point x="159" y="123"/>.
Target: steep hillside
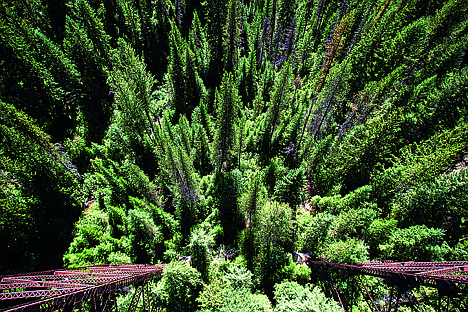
<point x="138" y="131"/>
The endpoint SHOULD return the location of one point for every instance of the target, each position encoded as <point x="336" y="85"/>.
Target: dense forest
<point x="235" y="132"/>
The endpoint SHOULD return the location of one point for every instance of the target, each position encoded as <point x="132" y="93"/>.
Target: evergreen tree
<point x="40" y="193"/>
<point x="215" y="23"/>
<point x="133" y="87"/>
<point x="95" y="101"/>
<point x="289" y="188"/>
<point x="231" y="35"/>
<point x="199" y="45"/>
<point x="277" y="103"/>
<point x="199" y="249"/>
<point x="95" y="30"/>
<point x="227" y="106"/>
<point x="273" y="235"/>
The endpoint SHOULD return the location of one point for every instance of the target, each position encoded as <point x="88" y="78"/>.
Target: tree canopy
<point x="234" y="132"/>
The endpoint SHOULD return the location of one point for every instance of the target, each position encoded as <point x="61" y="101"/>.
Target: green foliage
<point x="438" y="204"/>
<point x="294" y="271"/>
<point x="315" y="232"/>
<point x="133" y="87"/>
<point x="227" y="106"/>
<point x="178" y="287"/>
<point x="231" y="290"/>
<point x="40" y="191"/>
<point x="241" y="299"/>
<point x="273" y="232"/>
<point x="379" y="232"/>
<point x="289" y="188"/>
<point x="349" y="251"/>
<point x="227" y="189"/>
<point x="199" y="248"/>
<point x="354" y="222"/>
<point x="417" y="243"/>
<point x="239" y="277"/>
<point x="290" y="296"/>
<point x="338" y="128"/>
<point x="143" y="235"/>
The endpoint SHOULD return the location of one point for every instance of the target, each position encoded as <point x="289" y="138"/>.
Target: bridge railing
<point x="67" y="289"/>
<point x="449" y="278"/>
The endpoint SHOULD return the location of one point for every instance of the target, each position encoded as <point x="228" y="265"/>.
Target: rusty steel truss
<point x="68" y="289"/>
<point x="450" y="278"/>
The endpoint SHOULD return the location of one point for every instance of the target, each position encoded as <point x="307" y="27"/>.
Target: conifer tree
<point x="215" y="23"/>
<point x="247" y="75"/>
<point x="202" y="150"/>
<point x="95" y="107"/>
<point x="185" y="135"/>
<point x="157" y="41"/>
<point x="132" y="21"/>
<point x="195" y="90"/>
<point x="26" y="82"/>
<point x="227" y="106"/>
<point x="177" y="65"/>
<point x="134" y="87"/>
<point x="231" y="35"/>
<point x="199" y="46"/>
<point x="277" y="103"/>
<point x="200" y="249"/>
<point x="95" y="30"/>
<point x="39" y="191"/>
<point x="289" y="188"/>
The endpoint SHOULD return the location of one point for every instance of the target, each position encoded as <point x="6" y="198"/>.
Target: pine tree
<point x="177" y="65"/>
<point x="95" y="30"/>
<point x="202" y="150"/>
<point x="200" y="249"/>
<point x="26" y="82"/>
<point x="276" y="106"/>
<point x="157" y="39"/>
<point x="199" y="45"/>
<point x="247" y="77"/>
<point x="185" y="135"/>
<point x="289" y="188"/>
<point x="39" y="192"/>
<point x="95" y="101"/>
<point x="231" y="35"/>
<point x="215" y="23"/>
<point x="133" y="87"/>
<point x="195" y="90"/>
<point x="227" y="106"/>
<point x="132" y="19"/>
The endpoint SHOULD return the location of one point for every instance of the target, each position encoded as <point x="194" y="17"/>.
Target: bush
<point x="317" y="233"/>
<point x="354" y="222"/>
<point x="379" y="232"/>
<point x="417" y="243"/>
<point x="442" y="203"/>
<point x="349" y="251"/>
<point x="231" y="290"/>
<point x="292" y="297"/>
<point x="180" y="284"/>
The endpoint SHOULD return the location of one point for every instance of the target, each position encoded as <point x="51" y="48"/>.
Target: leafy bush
<point x="290" y="296"/>
<point x="316" y="233"/>
<point x="417" y="243"/>
<point x="354" y="222"/>
<point x="439" y="204"/>
<point x="199" y="248"/>
<point x="178" y="288"/>
<point x="231" y="290"/>
<point x="349" y="251"/>
<point x="379" y="232"/>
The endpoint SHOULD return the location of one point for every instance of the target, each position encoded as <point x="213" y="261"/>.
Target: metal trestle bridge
<point x="69" y="289"/>
<point x="96" y="286"/>
<point x="449" y="278"/>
